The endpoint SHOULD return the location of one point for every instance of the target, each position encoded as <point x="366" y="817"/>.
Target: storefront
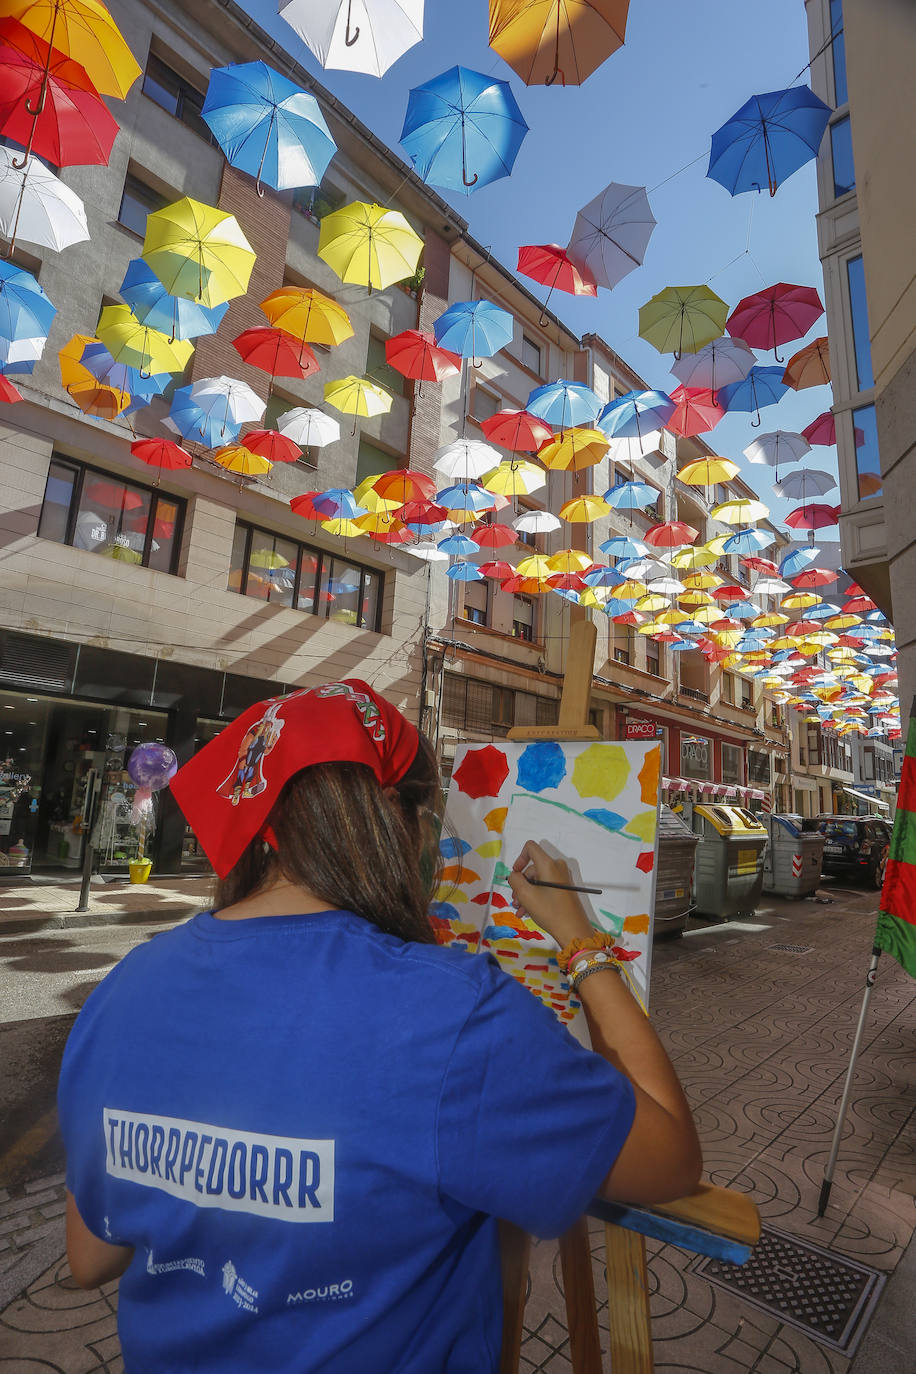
<point x="705" y="765"/>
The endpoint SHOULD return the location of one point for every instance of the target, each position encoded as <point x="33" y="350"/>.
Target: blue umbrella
<point x="464" y="572"/>
<point x="203" y="419"/>
<point x="799" y="560"/>
<point x="25" y="311"/>
<point x="267" y="126"/>
<point x="822" y="612"/>
<point x="458" y="544"/>
<point x="153" y="306"/>
<point x="563" y="404"/>
<point x="622" y="546"/>
<point x="679" y="646"/>
<point x="763" y="386"/>
<point x="97" y="360"/>
<point x="24" y="365"/>
<point x="636" y="413"/>
<point x="616" y="605"/>
<point x="768" y="139"/>
<point x="750" y="540"/>
<point x="741" y="609"/>
<point x="601" y="577"/>
<point x="474" y="329"/>
<point x="631" y="496"/>
<point x="465" y="496"/>
<point x="459" y="123"/>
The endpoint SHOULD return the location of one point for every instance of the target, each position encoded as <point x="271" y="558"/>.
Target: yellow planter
<point x="140" y="869"/>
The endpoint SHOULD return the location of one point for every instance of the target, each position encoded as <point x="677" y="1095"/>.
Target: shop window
<point x="732" y="764"/>
<point x="476" y="602"/>
<point x="523" y="618"/>
<point x="868" y="459"/>
<point x="380" y="370"/>
<point x="137" y="201"/>
<point x="92" y="510"/>
<point x="695" y="757"/>
<point x="858" y="312"/>
<point x="484" y="404"/>
<point x="844" y="172"/>
<point x="531" y="354"/>
<point x="282" y="572"/>
<point x="175" y="94"/>
<point x="838" y="46"/>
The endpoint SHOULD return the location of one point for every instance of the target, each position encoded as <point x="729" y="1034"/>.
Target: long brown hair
<point x="341" y="837"/>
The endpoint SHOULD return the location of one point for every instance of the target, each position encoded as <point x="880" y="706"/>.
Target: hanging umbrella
<point x="574" y="450"/>
<point x="308" y="427"/>
<point x="13" y="351"/>
<point x="768" y="139"/>
<point x="516" y="430"/>
<point x="706" y="472"/>
<point x="240" y="460"/>
<point x="495" y="536"/>
<point x="545" y="39"/>
<point x="681" y="319"/>
<point x="465" y="496"/>
<point x="85" y="360"/>
<point x="357" y="396"/>
<point x="373" y="500"/>
<point x="458" y="545"/>
<point x="152" y="305"/>
<point x="161" y="453"/>
<point x="715" y="364"/>
<point x="8" y="393"/>
<point x="84" y="31"/>
<point x="669" y="534"/>
<point x="814" y="577"/>
<point x="198" y="251"/>
<point x="423" y="516"/>
<point x="779" y="446"/>
<point x="612" y="232"/>
<point x="464" y="572"/>
<point x="796" y="561"/>
<point x="203" y="419"/>
<point x="474" y="329"/>
<point x="337" y="503"/>
<point x="763" y="386"/>
<point x="128" y="341"/>
<point x="36" y="207"/>
<point x="550" y="265"/>
<point x="583" y="509"/>
<point x="696" y="411"/>
<point x="25" y="310"/>
<point x="536" y="522"/>
<point x="748" y="541"/>
<point x="462" y="129"/>
<point x="515" y="478"/>
<point x="813" y="517"/>
<point x="72" y="125"/>
<point x="822" y="430"/>
<point x="635" y="414"/>
<point x="95" y="398"/>
<point x="536" y="567"/>
<point x="465" y="459"/>
<point x="569" y="561"/>
<point x="275" y="352"/>
<point x="801" y="486"/>
<point x="430" y="554"/>
<point x="356" y="35"/>
<point x="276" y="448"/>
<point x="563" y="404"/>
<point x="267" y="126"/>
<point x="497" y="568"/>
<point x="401" y="485"/>
<point x="775" y="316"/>
<point x="632" y="496"/>
<point x="739" y="512"/>
<point x="800" y="601"/>
<point x="308" y="314"/>
<point x="416" y="354"/>
<point x="810" y="366"/>
<point x="368" y="245"/>
<point x="623" y="546"/>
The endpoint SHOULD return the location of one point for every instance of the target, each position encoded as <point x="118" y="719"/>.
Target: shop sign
<point x="642" y="729"/>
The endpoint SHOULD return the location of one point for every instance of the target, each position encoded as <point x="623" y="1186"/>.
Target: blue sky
<point x="645" y="114"/>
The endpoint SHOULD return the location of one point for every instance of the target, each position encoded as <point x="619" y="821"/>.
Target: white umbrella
<point x="36" y="207"/>
<point x="242" y="402"/>
<point x="770" y="586"/>
<point x="611" y="233"/>
<point x="626" y="450"/>
<point x="638" y="569"/>
<point x="801" y="486"/>
<point x="22" y="350"/>
<point x="464" y="460"/>
<point x="536" y="522"/>
<point x="430" y="553"/>
<point x="779" y="446"/>
<point x="665" y="586"/>
<point x="716" y="364"/>
<point x="356" y="35"/>
<point x="308" y="427"/>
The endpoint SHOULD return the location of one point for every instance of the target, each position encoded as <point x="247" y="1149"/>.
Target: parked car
<point x="856" y="845"/>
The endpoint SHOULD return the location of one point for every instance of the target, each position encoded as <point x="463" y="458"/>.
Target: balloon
<point x="152" y="766"/>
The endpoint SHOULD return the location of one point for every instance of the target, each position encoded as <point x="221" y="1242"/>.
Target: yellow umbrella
<point x="739" y="512"/>
<point x="652" y="627"/>
<point x="347" y="529"/>
<point x="682" y="319"/>
<point x="368" y="245"/>
<point x="728" y="639"/>
<point x="700" y="557"/>
<point x="652" y="603"/>
<point x="705" y="615"/>
<point x="84" y="31"/>
<point x="378" y="522"/>
<point x="308" y="314"/>
<point x="239" y="459"/>
<point x="367" y="497"/>
<point x="134" y="344"/>
<point x="569" y="561"/>
<point x="584" y="509"/>
<point x="666" y="617"/>
<point x="574" y="448"/>
<point x="198" y="252"/>
<point x="716" y="546"/>
<point x="357" y="396"/>
<point x="517" y="477"/>
<point x="593" y="596"/>
<point x="92" y="395"/>
<point x="706" y="472"/>
<point x="842" y="621"/>
<point x="768" y="620"/>
<point x="545" y="39"/>
<point x="797" y="601"/>
<point x="537" y="566"/>
<point x="693" y="596"/>
<point x="630" y="591"/>
<point x="702" y="581"/>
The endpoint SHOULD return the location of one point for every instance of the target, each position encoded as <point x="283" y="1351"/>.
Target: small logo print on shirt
<point x="235" y="1287"/>
<point x="328" y="1292"/>
<point x="195" y="1265"/>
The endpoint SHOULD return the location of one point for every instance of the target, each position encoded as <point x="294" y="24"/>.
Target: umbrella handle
<point x="755" y="424"/>
<point x="347" y="39"/>
<point x="557" y="72"/>
<point x="464" y="158"/>
<point x="273" y="114"/>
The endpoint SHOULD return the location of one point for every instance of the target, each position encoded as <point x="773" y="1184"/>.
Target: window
<point x="653" y="656"/>
<point x="623" y="655"/>
<point x="694" y="757"/>
<point x="371" y="461"/>
<point x="728" y="687"/>
<point x="284" y="572"/>
<point x="841" y="94"/>
<point x="92" y="510"/>
<point x="380" y="370"/>
<point x="476" y="601"/>
<point x="531" y="354"/>
<point x="758" y="768"/>
<point x="137" y="201"/>
<point x="484" y="404"/>
<point x="858" y="311"/>
<point x="523" y="618"/>
<point x="844" y="172"/>
<point x="747" y="695"/>
<point x="732" y="764"/>
<point x="317" y="201"/>
<point x="868" y="459"/>
<point x="176" y="95"/>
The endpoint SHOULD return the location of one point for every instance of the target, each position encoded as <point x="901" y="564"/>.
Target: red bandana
<point x="228" y="789"/>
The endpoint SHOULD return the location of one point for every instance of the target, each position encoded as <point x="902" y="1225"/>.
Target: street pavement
<point x="759" y="1035"/>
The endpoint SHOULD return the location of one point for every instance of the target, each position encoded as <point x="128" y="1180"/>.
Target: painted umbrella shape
<point x="36" y="207"/>
<point x="763" y="386"/>
<point x="152" y="305"/>
<point x="550" y="265"/>
<point x="810" y="366"/>
<point x="681" y="319"/>
<point x="267" y="126"/>
<point x="612" y="232"/>
<point x="775" y="316"/>
<point x="356" y="35"/>
<point x="768" y="139"/>
<point x="474" y="329"/>
<point x="548" y="40"/>
<point x="462" y="129"/>
<point x="198" y="251"/>
<point x="715" y="365"/>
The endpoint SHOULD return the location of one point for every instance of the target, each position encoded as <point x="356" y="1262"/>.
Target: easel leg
<point x="579" y="1287"/>
<point x="628" y="1302"/>
<point x="515" y="1248"/>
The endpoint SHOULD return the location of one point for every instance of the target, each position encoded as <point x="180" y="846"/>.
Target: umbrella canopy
<point x="768" y="139"/>
<point x="474" y="329"/>
<point x="84" y="31"/>
<point x="465" y="460"/>
<point x="308" y="427"/>
<point x="814" y="577"/>
<point x="563" y="404"/>
<point x="739" y="512"/>
<point x="706" y="472"/>
<point x="273" y="446"/>
<point x="696" y="411"/>
<point x="457" y="544"/>
<point x="822" y="430"/>
<point x="583" y="509"/>
<point x="95" y="359"/>
<point x="240" y="403"/>
<point x="494" y="536"/>
<point x="715" y="364"/>
<point x="810" y="366"/>
<point x="128" y="341"/>
<point x="796" y="561"/>
<point x="416" y="354"/>
<point x="775" y="316"/>
<point x="401" y="485"/>
<point x="623" y="546"/>
<point x="462" y="129"/>
<point x="748" y="541"/>
<point x="763" y="386"/>
<point x="574" y="449"/>
<point x="681" y="319"/>
<point x="35" y="205"/>
<point x="636" y="414"/>
<point x="8" y="393"/>
<point x="198" y="251"/>
<point x="669" y="534"/>
<point x="778" y="446"/>
<point x="357" y="396"/>
<point x="612" y="232"/>
<point x="152" y="305"/>
<point x="517" y="430"/>
<point x="367" y="245"/>
<point x="632" y="496"/>
<point x="536" y="522"/>
<point x="552" y="266"/>
<point x="275" y="352"/>
<point x="465" y="496"/>
<point x="542" y="40"/>
<point x="204" y="420"/>
<point x="25" y="310"/>
<point x="515" y="478"/>
<point x="801" y="486"/>
<point x="73" y="125"/>
<point x="815" y="516"/>
<point x="430" y="554"/>
<point x="240" y="460"/>
<point x="267" y="126"/>
<point x="497" y="568"/>
<point x="356" y="35"/>
<point x="161" y="453"/>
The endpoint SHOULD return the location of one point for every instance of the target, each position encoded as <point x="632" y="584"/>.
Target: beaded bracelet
<point x="593" y="968"/>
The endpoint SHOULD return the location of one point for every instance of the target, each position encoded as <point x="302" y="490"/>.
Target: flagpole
<point x="827" y="1184"/>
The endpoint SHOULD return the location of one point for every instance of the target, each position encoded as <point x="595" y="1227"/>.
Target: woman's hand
<point x="560" y="913"/>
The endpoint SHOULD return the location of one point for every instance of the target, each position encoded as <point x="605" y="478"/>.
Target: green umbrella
<point x="682" y="319"/>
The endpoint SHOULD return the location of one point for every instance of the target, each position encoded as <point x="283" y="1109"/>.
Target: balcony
<point x="694" y="694"/>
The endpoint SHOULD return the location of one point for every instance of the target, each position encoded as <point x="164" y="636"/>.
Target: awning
<point x="863" y="796"/>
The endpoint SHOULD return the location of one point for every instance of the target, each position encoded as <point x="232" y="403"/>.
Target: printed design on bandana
<point x="369" y="713"/>
<point x="247" y="777"/>
<point x="235" y="1287"/>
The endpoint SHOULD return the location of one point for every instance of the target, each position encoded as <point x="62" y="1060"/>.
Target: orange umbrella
<point x="545" y="39"/>
<point x="810" y="366"/>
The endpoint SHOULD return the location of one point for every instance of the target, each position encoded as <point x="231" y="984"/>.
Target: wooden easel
<point x="711" y="1221"/>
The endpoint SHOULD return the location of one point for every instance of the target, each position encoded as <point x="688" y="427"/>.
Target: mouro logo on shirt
<point x="213" y="1166"/>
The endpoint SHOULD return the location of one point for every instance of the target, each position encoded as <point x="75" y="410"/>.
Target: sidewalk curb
<point x="80" y="920"/>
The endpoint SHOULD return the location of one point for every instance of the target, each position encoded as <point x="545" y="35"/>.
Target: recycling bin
<point x="728" y="872"/>
<point x="794" y="857"/>
<point x="674" y="874"/>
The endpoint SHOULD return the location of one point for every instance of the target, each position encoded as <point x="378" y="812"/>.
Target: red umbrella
<point x="494" y="536"/>
<point x="814" y="577"/>
<point x="304" y="505"/>
<point x="422" y="513"/>
<point x="161" y="453"/>
<point x="416" y="354"/>
<point x="695" y="411"/>
<point x="8" y="392"/>
<point x="629" y="618"/>
<point x="270" y="444"/>
<point x="799" y="628"/>
<point x="403" y="484"/>
<point x="276" y="352"/>
<point x="858" y="605"/>
<point x="815" y="516"/>
<point x="566" y="582"/>
<point x="551" y="265"/>
<point x="764" y="565"/>
<point x="522" y="586"/>
<point x="74" y="125"/>
<point x="669" y="534"/>
<point x="730" y="592"/>
<point x="775" y="316"/>
<point x="516" y="430"/>
<point x="499" y="569"/>
<point x="823" y="431"/>
<point x="112" y="496"/>
<point x="727" y="622"/>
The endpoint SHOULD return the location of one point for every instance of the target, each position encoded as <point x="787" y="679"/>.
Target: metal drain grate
<point x="792" y="949"/>
<point x="828" y="1297"/>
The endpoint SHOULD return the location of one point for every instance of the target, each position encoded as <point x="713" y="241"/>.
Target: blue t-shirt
<point x="306" y="1128"/>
